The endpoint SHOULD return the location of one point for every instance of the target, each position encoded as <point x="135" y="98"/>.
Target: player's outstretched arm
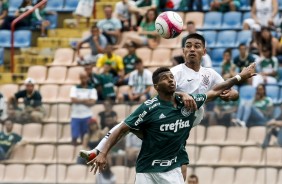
<point x="244" y="75"/>
<point x="100" y="161"/>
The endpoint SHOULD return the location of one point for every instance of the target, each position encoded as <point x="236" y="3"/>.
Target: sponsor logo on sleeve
<point x="140" y="118"/>
<point x="151" y="101"/>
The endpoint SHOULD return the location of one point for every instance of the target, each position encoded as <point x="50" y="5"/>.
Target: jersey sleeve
<point x="20" y="94"/>
<point x="130" y="79"/>
<point x="199" y="99"/>
<point x="137" y="118"/>
<point x="94" y="95"/>
<point x="216" y="78"/>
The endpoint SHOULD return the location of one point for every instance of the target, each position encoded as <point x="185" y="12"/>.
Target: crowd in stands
<point x="109" y="78"/>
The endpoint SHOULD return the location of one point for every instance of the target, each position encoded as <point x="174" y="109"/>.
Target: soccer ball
<point x="169" y="24"/>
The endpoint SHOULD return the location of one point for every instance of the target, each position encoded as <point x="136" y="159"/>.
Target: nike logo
<point x="189" y="80"/>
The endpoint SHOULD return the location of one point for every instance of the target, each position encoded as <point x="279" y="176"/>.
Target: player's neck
<point x="194" y="66"/>
<point x="167" y="97"/>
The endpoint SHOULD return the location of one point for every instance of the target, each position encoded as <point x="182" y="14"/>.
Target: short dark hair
<point x="107" y="6"/>
<point x="242" y="44"/>
<point x="156" y="73"/>
<point x="138" y="61"/>
<point x="228" y="50"/>
<point x="196" y="36"/>
<point x="190" y="22"/>
<point x="194" y="176"/>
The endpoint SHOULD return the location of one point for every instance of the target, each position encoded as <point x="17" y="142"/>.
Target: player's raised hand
<point x="98" y="162"/>
<point x="188" y="101"/>
<point x="248" y="72"/>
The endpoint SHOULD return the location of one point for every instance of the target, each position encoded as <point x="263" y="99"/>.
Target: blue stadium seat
<point x="1" y="56"/>
<point x="5" y="38"/>
<point x="210" y="37"/>
<point x="206" y="5"/>
<point x="245" y="5"/>
<point x="55" y="5"/>
<point x="247" y="92"/>
<point x="217" y="56"/>
<point x="244" y="36"/>
<point x="235" y="52"/>
<point x="246" y="15"/>
<point x="212" y="20"/>
<point x="273" y="92"/>
<point x="226" y="39"/>
<point x="280" y="4"/>
<point x="232" y="20"/>
<point x="22" y="38"/>
<point x="280" y="73"/>
<point x="14" y="5"/>
<point x="218" y="69"/>
<point x="70" y="5"/>
<point x="53" y="21"/>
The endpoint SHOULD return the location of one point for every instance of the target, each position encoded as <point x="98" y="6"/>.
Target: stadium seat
<point x="17" y="128"/>
<point x="5" y="38"/>
<point x="226" y="39"/>
<point x="8" y="90"/>
<point x="212" y="20"/>
<point x="245" y="5"/>
<point x="34" y="173"/>
<point x="121" y="52"/>
<point x="146" y="54"/>
<point x="51" y="133"/>
<point x="38" y="73"/>
<point x="44" y="153"/>
<point x="197" y="135"/>
<point x="232" y="20"/>
<point x="245" y="175"/>
<point x="49" y="92"/>
<point x="73" y="75"/>
<point x="279" y="180"/>
<point x="193" y="152"/>
<point x="53" y="19"/>
<point x="272" y="156"/>
<point x="206" y="5"/>
<point x="218" y="69"/>
<point x="1" y="56"/>
<point x="70" y="5"/>
<point x="196" y="17"/>
<point x="61" y="151"/>
<point x="66" y="134"/>
<point x="256" y="135"/>
<point x="217" y="56"/>
<point x="205" y="173"/>
<point x="235" y="52"/>
<point x="273" y="91"/>
<point x="223" y="175"/>
<point x="14" y="173"/>
<point x="246" y="15"/>
<point x="32" y="132"/>
<point x="170" y="43"/>
<point x="122" y="111"/>
<point x="59" y="113"/>
<point x="55" y="5"/>
<point x="22" y="38"/>
<point x="215" y="135"/>
<point x="56" y="75"/>
<point x="55" y="173"/>
<point x="64" y="93"/>
<point x="230" y="155"/>
<point x="161" y="57"/>
<point x="280" y="5"/>
<point x="209" y="155"/>
<point x="266" y="174"/>
<point x="2" y="171"/>
<point x="121" y="173"/>
<point x="177" y="52"/>
<point x="76" y="174"/>
<point x="14" y="5"/>
<point x="210" y="37"/>
<point x="63" y="57"/>
<point x="247" y="92"/>
<point x="248" y="157"/>
<point x="236" y="136"/>
<point x="244" y="36"/>
<point x="91" y="178"/>
<point x="22" y="154"/>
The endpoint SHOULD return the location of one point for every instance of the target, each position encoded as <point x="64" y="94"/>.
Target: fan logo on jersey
<point x="185" y="112"/>
<point x="206" y="80"/>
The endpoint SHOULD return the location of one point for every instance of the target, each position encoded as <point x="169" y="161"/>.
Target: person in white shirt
<point x="123" y="13"/>
<point x="140" y="83"/>
<point x="83" y="96"/>
<point x="84" y="9"/>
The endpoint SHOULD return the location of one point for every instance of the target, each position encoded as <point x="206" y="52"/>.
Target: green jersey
<point x="107" y="83"/>
<point x="165" y="129"/>
<point x="8" y="140"/>
<point x="129" y="62"/>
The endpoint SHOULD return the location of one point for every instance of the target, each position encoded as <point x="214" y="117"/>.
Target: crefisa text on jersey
<point x="179" y="124"/>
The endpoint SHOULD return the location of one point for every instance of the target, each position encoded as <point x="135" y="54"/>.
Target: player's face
<point x="166" y="83"/>
<point x="193" y="50"/>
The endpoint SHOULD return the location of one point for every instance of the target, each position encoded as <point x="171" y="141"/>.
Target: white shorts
<point x="171" y="177"/>
<point x="84" y="8"/>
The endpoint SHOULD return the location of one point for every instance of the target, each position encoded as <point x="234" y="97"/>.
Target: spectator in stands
<point x="33" y="110"/>
<point x="225" y="5"/>
<point x="274" y="127"/>
<point x="244" y="58"/>
<point x="97" y="42"/>
<point x="267" y="68"/>
<point x="132" y="148"/>
<point x="176" y="60"/>
<point x="140" y="83"/>
<point x="110" y="26"/>
<point x="256" y="113"/>
<point x="3" y="108"/>
<point x="39" y="18"/>
<point x="228" y="67"/>
<point x="130" y="59"/>
<point x="84" y="9"/>
<point x="123" y="13"/>
<point x="108" y="117"/>
<point x="146" y="34"/>
<point x="190" y="4"/>
<point x="142" y="7"/>
<point x="106" y="176"/>
<point x="263" y="13"/>
<point x="83" y="96"/>
<point x="8" y="140"/>
<point x="24" y="23"/>
<point x="254" y="43"/>
<point x="193" y="179"/>
<point x="3" y="11"/>
<point x="266" y="40"/>
<point x="115" y="61"/>
<point x="107" y="82"/>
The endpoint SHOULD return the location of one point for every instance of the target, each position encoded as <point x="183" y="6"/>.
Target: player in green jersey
<point x="165" y="124"/>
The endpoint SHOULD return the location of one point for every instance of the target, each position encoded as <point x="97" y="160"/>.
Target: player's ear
<point x="156" y="87"/>
<point x="205" y="51"/>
